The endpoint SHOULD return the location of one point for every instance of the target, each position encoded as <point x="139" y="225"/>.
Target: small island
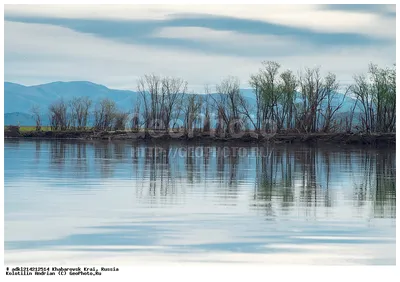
<point x="281" y="107"/>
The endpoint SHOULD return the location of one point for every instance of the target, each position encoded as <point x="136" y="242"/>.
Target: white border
<point x="215" y="272"/>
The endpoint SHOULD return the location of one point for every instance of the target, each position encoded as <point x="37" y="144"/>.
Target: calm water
<point x="69" y="202"/>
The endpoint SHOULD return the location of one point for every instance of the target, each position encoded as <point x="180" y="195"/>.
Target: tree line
<point x="306" y="102"/>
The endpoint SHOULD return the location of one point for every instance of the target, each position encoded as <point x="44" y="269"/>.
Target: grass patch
<point x="33" y="128"/>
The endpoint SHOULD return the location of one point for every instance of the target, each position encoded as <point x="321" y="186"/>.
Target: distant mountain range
<point x="18" y="99"/>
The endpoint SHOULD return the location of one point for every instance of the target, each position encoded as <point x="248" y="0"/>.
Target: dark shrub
<point x="12" y="131"/>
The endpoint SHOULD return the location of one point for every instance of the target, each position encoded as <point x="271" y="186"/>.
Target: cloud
<point x="35" y="49"/>
<point x="386" y="9"/>
<point x="42" y="52"/>
<point x="312" y="17"/>
<point x="227" y="38"/>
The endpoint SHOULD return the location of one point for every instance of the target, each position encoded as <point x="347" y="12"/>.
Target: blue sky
<point x="114" y="45"/>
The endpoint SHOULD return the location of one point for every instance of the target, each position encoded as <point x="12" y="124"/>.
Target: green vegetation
<point x="33" y="128"/>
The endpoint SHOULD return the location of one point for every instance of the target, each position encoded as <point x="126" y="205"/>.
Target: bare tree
<point x="376" y="94"/>
<point x="80" y="111"/>
<point x="207" y="118"/>
<point x="149" y="88"/>
<point x="227" y="104"/>
<point x="246" y="110"/>
<point x="136" y="116"/>
<point x="255" y="82"/>
<point x="287" y="96"/>
<point x="173" y="90"/>
<point x="348" y="127"/>
<point x="310" y="83"/>
<point x="120" y="120"/>
<point x="192" y="109"/>
<point x="161" y="98"/>
<point x="35" y="110"/>
<point x="315" y="90"/>
<point x="58" y="115"/>
<point x="383" y="87"/>
<point x="270" y="89"/>
<point x="268" y="92"/>
<point x="104" y="114"/>
<point x="363" y="94"/>
<point x="332" y="105"/>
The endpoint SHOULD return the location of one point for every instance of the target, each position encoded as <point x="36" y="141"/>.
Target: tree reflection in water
<point x="283" y="177"/>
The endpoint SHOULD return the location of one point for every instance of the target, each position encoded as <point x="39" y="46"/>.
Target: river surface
<point x="70" y="202"/>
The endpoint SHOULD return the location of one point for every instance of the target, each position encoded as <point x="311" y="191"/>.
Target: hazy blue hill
<point x="19" y="98"/>
<point x="18" y="118"/>
<point x="347" y="105"/>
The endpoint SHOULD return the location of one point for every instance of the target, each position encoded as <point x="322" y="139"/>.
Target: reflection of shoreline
<point x="283" y="174"/>
<point x="381" y="139"/>
<point x="311" y="172"/>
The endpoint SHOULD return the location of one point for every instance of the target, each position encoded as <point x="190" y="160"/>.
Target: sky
<point x="203" y="44"/>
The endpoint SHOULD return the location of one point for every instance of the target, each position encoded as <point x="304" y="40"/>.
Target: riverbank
<point x="248" y="137"/>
